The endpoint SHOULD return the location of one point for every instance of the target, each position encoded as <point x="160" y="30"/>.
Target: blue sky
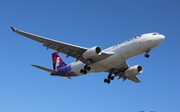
<point x="88" y="23"/>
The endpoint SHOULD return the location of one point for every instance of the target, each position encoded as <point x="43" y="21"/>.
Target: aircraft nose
<point x="159" y="39"/>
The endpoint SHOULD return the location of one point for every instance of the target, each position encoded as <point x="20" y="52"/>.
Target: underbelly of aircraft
<point x="107" y="63"/>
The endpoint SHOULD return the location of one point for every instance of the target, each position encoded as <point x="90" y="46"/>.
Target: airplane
<point x="90" y="60"/>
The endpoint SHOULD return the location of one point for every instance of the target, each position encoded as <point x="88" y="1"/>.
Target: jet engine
<point x="92" y="53"/>
<point x="134" y="70"/>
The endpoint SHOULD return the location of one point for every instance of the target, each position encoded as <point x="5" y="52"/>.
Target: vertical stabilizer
<point x="57" y="61"/>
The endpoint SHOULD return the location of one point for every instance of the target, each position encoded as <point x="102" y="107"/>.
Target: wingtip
<point x="33" y="65"/>
<point x="13" y="29"/>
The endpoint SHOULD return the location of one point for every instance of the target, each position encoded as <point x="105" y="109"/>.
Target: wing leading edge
<point x="68" y="49"/>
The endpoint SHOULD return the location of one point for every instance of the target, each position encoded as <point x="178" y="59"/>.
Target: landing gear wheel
<point x="146" y="55"/>
<point x="88" y="68"/>
<point x="147" y="51"/>
<point x="85" y="72"/>
<point x="81" y="71"/>
<point x="105" y="80"/>
<point x="112" y="78"/>
<point x="108" y="81"/>
<point x="109" y="76"/>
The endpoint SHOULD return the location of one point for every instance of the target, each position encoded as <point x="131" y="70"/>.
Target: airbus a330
<point x="111" y="60"/>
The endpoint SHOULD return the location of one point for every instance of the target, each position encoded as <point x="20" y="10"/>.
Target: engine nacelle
<point x="134" y="70"/>
<point x="92" y="53"/>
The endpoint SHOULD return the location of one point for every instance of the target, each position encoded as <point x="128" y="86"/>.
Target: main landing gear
<point x="146" y="54"/>
<point x="86" y="68"/>
<point x="109" y="78"/>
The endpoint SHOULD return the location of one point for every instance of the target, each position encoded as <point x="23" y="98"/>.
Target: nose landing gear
<point x="146" y="54"/>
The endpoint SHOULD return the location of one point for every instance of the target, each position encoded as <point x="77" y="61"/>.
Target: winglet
<point x="13" y="29"/>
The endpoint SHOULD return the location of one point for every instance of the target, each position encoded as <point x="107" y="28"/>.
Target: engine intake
<point x="92" y="53"/>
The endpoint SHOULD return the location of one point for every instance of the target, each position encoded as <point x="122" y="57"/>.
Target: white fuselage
<point x="121" y="52"/>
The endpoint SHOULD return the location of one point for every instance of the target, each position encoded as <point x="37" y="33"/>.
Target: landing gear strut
<point x="146" y="54"/>
<point x="109" y="78"/>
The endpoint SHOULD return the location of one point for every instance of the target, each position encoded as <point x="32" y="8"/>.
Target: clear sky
<point x="88" y="23"/>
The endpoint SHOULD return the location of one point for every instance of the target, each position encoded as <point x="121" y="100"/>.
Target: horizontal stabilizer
<point x="45" y="69"/>
<point x="48" y="70"/>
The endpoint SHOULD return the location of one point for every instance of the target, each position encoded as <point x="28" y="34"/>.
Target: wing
<point x="134" y="79"/>
<point x="68" y="49"/>
<point x="121" y="69"/>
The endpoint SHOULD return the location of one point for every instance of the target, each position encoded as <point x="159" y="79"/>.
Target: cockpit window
<point x="155" y="33"/>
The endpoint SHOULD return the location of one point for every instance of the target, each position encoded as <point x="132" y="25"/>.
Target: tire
<point x="81" y="71"/>
<point x="108" y="81"/>
<point x="112" y="78"/>
<point x="88" y="68"/>
<point x="85" y="67"/>
<point x="146" y="55"/>
<point x="109" y="76"/>
<point x="85" y="72"/>
<point x="105" y="80"/>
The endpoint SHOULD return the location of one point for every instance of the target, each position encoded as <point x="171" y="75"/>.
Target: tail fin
<point x="57" y="61"/>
